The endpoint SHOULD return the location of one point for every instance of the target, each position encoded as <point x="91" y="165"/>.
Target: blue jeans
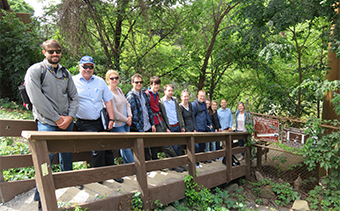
<point x="65" y="159"/>
<point x="126" y="154"/>
<point x="177" y="148"/>
<point x="210" y="145"/>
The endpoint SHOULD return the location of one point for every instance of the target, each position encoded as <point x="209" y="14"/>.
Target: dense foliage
<point x="20" y="48"/>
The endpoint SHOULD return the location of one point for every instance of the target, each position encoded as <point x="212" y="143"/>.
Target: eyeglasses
<point x="114" y="78"/>
<point x="52" y="51"/>
<point x="138" y="82"/>
<point x="89" y="67"/>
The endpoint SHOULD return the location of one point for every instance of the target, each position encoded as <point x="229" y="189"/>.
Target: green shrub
<point x="20" y="48"/>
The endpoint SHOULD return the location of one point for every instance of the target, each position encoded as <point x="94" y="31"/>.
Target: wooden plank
<point x="168" y="192"/>
<point x="43" y="174"/>
<point x="191" y="157"/>
<point x="15" y="161"/>
<point x="138" y="153"/>
<point x="90" y="175"/>
<point x="238" y="150"/>
<point x="166" y="163"/>
<point x="237" y="172"/>
<point x="248" y="164"/>
<point x="77" y="135"/>
<point x="97" y="144"/>
<point x="13" y="128"/>
<point x="8" y="190"/>
<point x="166" y="141"/>
<point x="228" y="156"/>
<point x="219" y="177"/>
<point x="119" y="202"/>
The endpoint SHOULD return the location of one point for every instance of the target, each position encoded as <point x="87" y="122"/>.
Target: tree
<point x="20" y="48"/>
<point x="20" y="6"/>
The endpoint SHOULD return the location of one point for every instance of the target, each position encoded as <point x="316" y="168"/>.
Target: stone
<point x="300" y="205"/>
<point x="259" y="176"/>
<point x="233" y="187"/>
<point x="267" y="192"/>
<point x="265" y="201"/>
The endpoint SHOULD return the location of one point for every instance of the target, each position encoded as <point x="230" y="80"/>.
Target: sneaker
<point x="199" y="166"/>
<point x="177" y="169"/>
<point x="220" y="159"/>
<point x="119" y="180"/>
<point x="241" y="158"/>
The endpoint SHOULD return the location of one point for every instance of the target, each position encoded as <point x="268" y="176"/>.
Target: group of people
<point x="59" y="98"/>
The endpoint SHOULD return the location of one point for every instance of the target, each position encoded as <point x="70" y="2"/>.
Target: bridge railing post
<point x="43" y="174"/>
<point x="138" y="153"/>
<point x="191" y="157"/>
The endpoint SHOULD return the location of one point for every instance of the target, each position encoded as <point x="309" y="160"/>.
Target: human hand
<point x="153" y="127"/>
<point x="110" y="126"/>
<point x="129" y="121"/>
<point x="183" y="130"/>
<point x="65" y="122"/>
<point x="167" y="130"/>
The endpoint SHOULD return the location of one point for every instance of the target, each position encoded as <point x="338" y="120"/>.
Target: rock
<point x="259" y="176"/>
<point x="265" y="201"/>
<point x="251" y="204"/>
<point x="233" y="187"/>
<point x="297" y="183"/>
<point x="300" y="205"/>
<point x="266" y="192"/>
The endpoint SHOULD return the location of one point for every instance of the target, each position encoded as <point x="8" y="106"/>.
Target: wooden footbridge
<point x="81" y="143"/>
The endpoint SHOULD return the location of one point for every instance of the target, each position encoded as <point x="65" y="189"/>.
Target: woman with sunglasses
<point x="122" y="111"/>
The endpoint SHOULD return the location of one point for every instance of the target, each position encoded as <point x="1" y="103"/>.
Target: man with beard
<point x="54" y="96"/>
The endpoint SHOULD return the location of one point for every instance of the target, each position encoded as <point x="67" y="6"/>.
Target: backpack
<point x="22" y="88"/>
<point x="198" y="108"/>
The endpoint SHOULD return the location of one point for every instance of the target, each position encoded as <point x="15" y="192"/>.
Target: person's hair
<point x="155" y="80"/>
<point x="137" y="75"/>
<point x="211" y="112"/>
<point x="212" y="102"/>
<point x="166" y="86"/>
<point x="51" y="44"/>
<point x="183" y="92"/>
<point x="241" y="103"/>
<point x="202" y="91"/>
<point x="109" y="72"/>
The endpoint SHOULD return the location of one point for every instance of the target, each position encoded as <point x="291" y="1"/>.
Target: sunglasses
<point x="52" y="51"/>
<point x="138" y="82"/>
<point x="114" y="78"/>
<point x="89" y="67"/>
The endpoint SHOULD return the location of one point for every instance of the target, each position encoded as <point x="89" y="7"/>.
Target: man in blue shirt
<point x="172" y="115"/>
<point x="92" y="92"/>
<point x="225" y="117"/>
<point x="202" y="118"/>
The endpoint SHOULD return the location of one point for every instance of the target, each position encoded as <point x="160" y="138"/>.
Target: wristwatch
<point x="112" y="120"/>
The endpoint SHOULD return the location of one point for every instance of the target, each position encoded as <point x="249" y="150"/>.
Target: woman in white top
<point x="241" y="119"/>
<point x="122" y="111"/>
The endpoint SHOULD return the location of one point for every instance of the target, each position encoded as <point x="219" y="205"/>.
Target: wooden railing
<point x="43" y="142"/>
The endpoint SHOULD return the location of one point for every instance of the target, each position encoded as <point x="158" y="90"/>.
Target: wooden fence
<point x="41" y="143"/>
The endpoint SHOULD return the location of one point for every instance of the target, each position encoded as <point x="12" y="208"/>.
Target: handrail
<point x="43" y="142"/>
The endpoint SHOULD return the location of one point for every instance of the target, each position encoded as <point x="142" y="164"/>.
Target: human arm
<point x="109" y="108"/>
<point x="34" y="89"/>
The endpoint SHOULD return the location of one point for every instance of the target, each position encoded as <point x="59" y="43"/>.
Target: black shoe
<point x="185" y="168"/>
<point x="177" y="169"/>
<point x="39" y="205"/>
<point x="207" y="161"/>
<point x="119" y="180"/>
<point x="101" y="182"/>
<point x="80" y="187"/>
